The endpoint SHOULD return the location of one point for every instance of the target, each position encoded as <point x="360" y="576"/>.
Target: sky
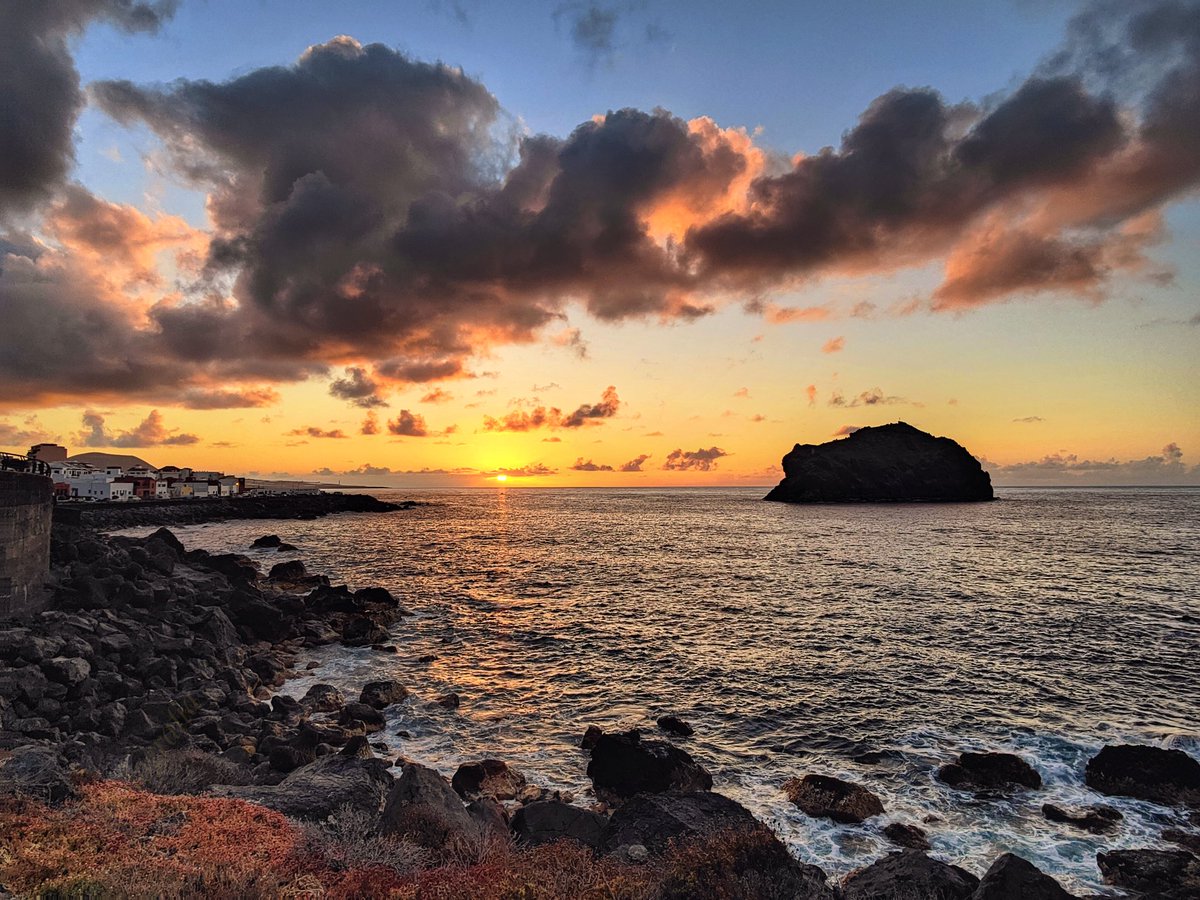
<point x="595" y="243"/>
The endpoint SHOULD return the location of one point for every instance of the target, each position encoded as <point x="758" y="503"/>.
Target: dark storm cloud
<point x="368" y="214"/>
<point x="699" y="460"/>
<point x="358" y="388"/>
<point x="42" y="96"/>
<point x="906" y="180"/>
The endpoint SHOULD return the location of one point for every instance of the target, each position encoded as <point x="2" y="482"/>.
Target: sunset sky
<point x="640" y="243"/>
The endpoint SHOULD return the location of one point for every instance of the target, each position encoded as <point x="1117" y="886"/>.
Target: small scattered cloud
<point x="833" y="345"/>
<point x="635" y="464"/>
<point x="537" y="388"/>
<point x="408" y="424"/>
<point x="571" y="339"/>
<point x="151" y="432"/>
<point x="846" y="429"/>
<point x="358" y="388"/>
<point x="437" y="395"/>
<point x="811" y="393"/>
<point x="698" y="460"/>
<point x="742" y="393"/>
<point x="314" y="432"/>
<point x="873" y="397"/>
<point x="582" y="465"/>
<point x="553" y="417"/>
<point x="1029" y="420"/>
<point x="370" y="424"/>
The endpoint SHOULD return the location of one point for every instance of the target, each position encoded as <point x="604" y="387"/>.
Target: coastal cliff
<point x="888" y="463"/>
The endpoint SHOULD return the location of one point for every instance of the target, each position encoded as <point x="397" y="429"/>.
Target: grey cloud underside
<point x="368" y="207"/>
<point x="42" y="95"/>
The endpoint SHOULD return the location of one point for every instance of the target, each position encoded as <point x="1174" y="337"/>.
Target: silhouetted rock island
<point x="888" y="463"/>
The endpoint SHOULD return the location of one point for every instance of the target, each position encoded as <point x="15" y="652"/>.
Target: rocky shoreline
<point x="114" y="516"/>
<point x="160" y="665"/>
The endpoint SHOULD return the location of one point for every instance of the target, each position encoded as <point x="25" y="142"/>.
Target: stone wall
<point x="26" y="502"/>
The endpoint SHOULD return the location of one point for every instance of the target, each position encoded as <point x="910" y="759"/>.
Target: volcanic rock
<point x="909" y="836"/>
<point x="821" y="796"/>
<point x="906" y="875"/>
<point x="382" y="694"/>
<point x="623" y="764"/>
<point x="1094" y="819"/>
<point x="423" y="808"/>
<point x="323" y="698"/>
<point x="487" y="778"/>
<point x="1161" y="874"/>
<point x="981" y="772"/>
<point x="1013" y="878"/>
<point x="547" y="821"/>
<point x="887" y="463"/>
<point x="317" y="790"/>
<point x="654" y="820"/>
<point x="1170" y="777"/>
<point x="675" y="725"/>
<point x="35" y="772"/>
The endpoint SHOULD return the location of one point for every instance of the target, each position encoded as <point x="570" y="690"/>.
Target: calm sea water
<point x="793" y="638"/>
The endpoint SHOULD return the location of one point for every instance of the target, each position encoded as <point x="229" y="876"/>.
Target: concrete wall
<point x="26" y="503"/>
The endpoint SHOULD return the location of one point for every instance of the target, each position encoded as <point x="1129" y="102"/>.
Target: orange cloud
<point x="833" y="345"/>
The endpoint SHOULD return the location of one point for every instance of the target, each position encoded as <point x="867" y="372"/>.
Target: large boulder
<point x="323" y="698"/>
<point x="423" y="808"/>
<point x="903" y="835"/>
<point x="822" y="796"/>
<point x="36" y="772"/>
<point x="487" y="778"/>
<point x="382" y="694"/>
<point x="1013" y="878"/>
<point x="985" y="772"/>
<point x="1161" y="874"/>
<point x="547" y="821"/>
<point x="1170" y="777"/>
<point x="623" y="765"/>
<point x="654" y="820"/>
<point x="907" y="875"/>
<point x="887" y="463"/>
<point x="317" y="790"/>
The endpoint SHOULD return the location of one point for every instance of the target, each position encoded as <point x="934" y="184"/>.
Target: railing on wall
<point x="11" y="462"/>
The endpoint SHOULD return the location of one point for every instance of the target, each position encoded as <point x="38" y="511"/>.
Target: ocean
<point x="870" y="642"/>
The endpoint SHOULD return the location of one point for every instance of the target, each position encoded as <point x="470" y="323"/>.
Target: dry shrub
<point x="351" y="837"/>
<point x="551" y="872"/>
<point x="187" y="772"/>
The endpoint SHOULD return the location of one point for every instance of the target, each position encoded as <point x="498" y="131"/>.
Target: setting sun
<point x="502" y="478"/>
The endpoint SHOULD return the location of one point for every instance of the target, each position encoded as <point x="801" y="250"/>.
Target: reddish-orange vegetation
<point x="121" y="841"/>
<point x="116" y="840"/>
